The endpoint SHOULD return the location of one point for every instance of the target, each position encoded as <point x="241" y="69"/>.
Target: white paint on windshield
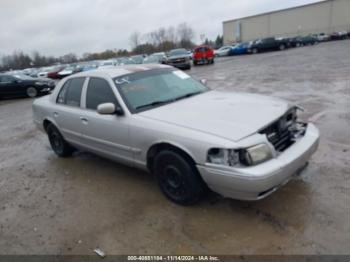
<point x="181" y="74"/>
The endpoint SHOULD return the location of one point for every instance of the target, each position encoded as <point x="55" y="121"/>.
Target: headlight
<point x="227" y="157"/>
<point x="256" y="155"/>
<point x="243" y="157"/>
<point x="40" y="83"/>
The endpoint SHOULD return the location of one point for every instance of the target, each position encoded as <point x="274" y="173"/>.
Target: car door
<point x="3" y="88"/>
<point x="105" y="134"/>
<point x="266" y="44"/>
<point x="8" y="85"/>
<point x="269" y="43"/>
<point x="67" y="111"/>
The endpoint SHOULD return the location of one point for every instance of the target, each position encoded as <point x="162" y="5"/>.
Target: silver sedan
<point x="157" y="118"/>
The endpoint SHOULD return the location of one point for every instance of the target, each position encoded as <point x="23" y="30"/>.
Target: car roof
<point x="119" y="71"/>
<point x="202" y="46"/>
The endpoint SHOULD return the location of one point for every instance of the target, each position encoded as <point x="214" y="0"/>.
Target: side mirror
<point x="106" y="109"/>
<point x="109" y="109"/>
<point x="204" y="81"/>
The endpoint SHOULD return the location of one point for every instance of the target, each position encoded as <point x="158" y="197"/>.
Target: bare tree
<point x="135" y="39"/>
<point x="185" y="34"/>
<point x="171" y="34"/>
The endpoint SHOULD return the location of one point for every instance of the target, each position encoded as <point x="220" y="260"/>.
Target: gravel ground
<point x="71" y="206"/>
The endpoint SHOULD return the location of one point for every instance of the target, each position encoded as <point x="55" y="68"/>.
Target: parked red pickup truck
<point x="203" y="54"/>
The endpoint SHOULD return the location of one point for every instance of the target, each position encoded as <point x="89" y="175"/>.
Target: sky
<point x="79" y="26"/>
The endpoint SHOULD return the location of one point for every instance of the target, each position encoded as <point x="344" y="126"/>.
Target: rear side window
<point x="70" y="93"/>
<point x="99" y="92"/>
<point x="6" y="79"/>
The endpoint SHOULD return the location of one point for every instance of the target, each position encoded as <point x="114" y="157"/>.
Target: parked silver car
<point x="157" y="118"/>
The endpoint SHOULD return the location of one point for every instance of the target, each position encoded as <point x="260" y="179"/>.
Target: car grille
<point x="179" y="60"/>
<point x="281" y="133"/>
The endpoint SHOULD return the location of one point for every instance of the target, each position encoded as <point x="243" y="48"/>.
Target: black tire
<point x="255" y="51"/>
<point x="195" y="62"/>
<point x="282" y="47"/>
<point x="57" y="142"/>
<point x="32" y="92"/>
<point x="178" y="178"/>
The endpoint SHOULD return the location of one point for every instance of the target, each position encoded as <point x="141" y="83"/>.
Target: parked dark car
<point x="339" y="35"/>
<point x="178" y="58"/>
<point x="309" y="40"/>
<point x="23" y="85"/>
<point x="267" y="44"/>
<point x="203" y="55"/>
<point x="295" y="41"/>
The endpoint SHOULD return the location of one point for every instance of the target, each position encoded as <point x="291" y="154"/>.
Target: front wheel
<point x="282" y="47"/>
<point x="32" y="92"/>
<point x="255" y="51"/>
<point x="57" y="142"/>
<point x="178" y="178"/>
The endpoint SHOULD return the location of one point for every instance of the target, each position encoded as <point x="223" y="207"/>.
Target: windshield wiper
<point x="155" y="103"/>
<point x="188" y="95"/>
<point x="163" y="102"/>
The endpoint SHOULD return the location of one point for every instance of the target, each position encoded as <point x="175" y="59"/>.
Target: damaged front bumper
<point x="257" y="182"/>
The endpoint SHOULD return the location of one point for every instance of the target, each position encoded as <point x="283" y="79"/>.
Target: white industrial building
<point x="321" y="17"/>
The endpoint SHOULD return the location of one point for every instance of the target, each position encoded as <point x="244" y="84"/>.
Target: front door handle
<point x="84" y="120"/>
<point x="55" y="114"/>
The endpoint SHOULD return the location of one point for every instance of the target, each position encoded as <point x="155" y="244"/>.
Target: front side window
<point x="70" y="93"/>
<point x="148" y="89"/>
<point x="99" y="92"/>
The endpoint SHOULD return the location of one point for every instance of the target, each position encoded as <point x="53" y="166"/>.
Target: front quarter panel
<point x="144" y="133"/>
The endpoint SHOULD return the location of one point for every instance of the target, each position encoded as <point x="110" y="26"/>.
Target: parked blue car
<point x="239" y="49"/>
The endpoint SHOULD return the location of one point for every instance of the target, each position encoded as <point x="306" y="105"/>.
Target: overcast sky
<point x="63" y="26"/>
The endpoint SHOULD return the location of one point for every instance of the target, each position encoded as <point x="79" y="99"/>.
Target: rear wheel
<point x="255" y="51"/>
<point x="282" y="47"/>
<point x="58" y="144"/>
<point x="178" y="178"/>
<point x="195" y="62"/>
<point x="32" y="92"/>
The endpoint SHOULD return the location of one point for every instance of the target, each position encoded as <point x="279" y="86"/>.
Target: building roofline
<point x="277" y="11"/>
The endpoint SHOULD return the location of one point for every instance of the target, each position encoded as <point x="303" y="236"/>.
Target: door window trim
<point x="84" y="93"/>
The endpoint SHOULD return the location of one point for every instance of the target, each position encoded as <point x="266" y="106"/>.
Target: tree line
<point x="160" y="40"/>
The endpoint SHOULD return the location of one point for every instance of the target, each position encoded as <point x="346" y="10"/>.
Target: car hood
<point x="232" y="116"/>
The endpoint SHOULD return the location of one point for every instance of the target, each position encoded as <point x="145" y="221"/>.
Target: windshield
<point x="149" y="89"/>
<point x="178" y="52"/>
<point x="152" y="59"/>
<point x="138" y="58"/>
